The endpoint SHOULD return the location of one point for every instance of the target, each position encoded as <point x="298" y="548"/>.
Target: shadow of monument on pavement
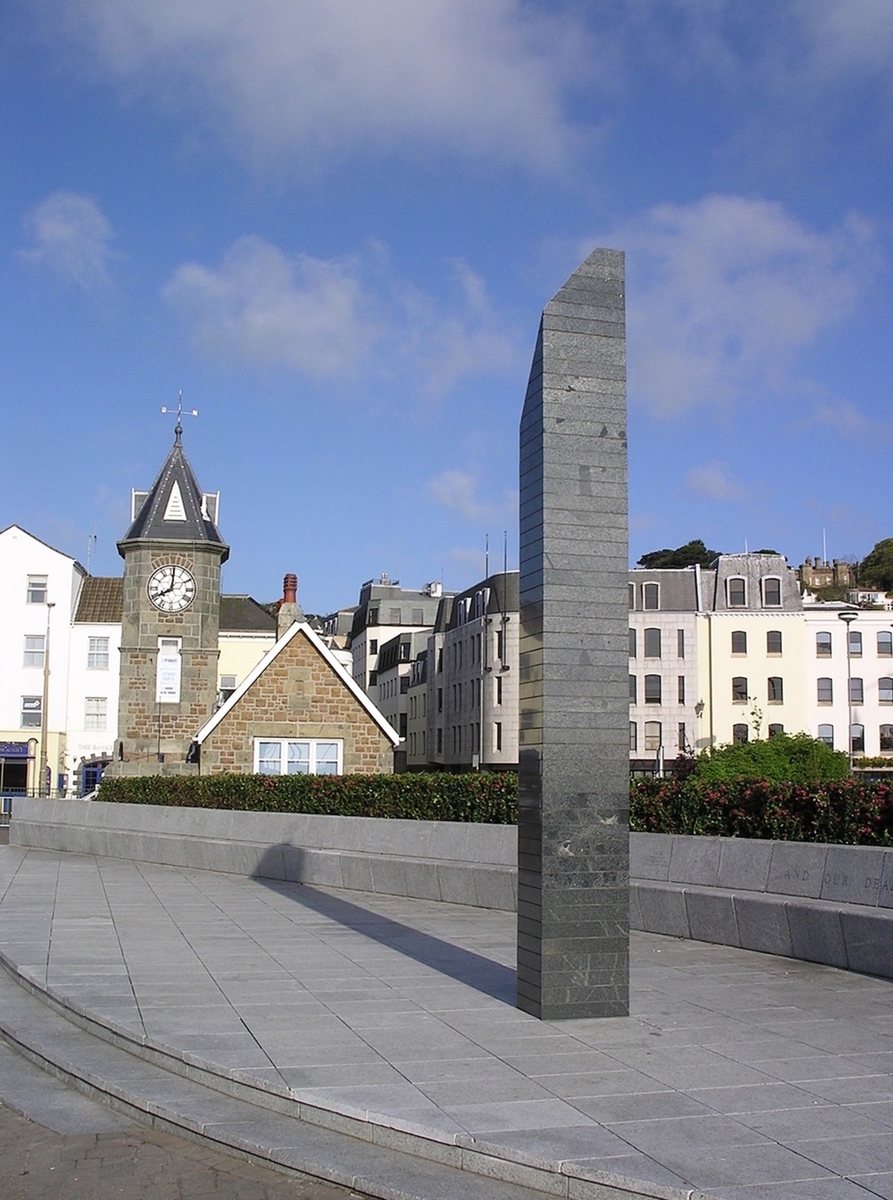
<point x="465" y="966"/>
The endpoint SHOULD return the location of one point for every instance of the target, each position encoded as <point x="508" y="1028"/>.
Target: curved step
<point x="156" y="1085"/>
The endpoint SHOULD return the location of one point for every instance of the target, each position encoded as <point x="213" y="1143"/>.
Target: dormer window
<point x="650" y="596"/>
<point x="771" y="586"/>
<point x="736" y="591"/>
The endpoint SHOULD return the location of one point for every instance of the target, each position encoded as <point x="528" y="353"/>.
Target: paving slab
<point x="736" y="1074"/>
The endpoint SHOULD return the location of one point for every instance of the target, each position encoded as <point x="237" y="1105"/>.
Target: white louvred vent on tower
<point x="175" y="510"/>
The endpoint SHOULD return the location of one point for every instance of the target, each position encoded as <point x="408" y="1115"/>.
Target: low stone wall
<point x="429" y="860"/>
<point x="826" y="904"/>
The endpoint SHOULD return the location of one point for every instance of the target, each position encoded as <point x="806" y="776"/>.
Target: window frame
<point x="857" y="690"/>
<point x="737" y="689"/>
<point x="37" y="589"/>
<point x="651" y="742"/>
<point x="775" y="690"/>
<point x="824" y="690"/>
<point x="826" y="734"/>
<point x="652" y="639"/>
<point x="647" y="593"/>
<point x="36" y="707"/>
<point x="730" y="601"/>
<point x="773" y="634"/>
<point x="885" y="648"/>
<point x="885" y="740"/>
<point x="286" y="759"/>
<point x="823" y="649"/>
<point x="740" y="734"/>
<point x="34" y="656"/>
<point x="98" y="658"/>
<point x="652" y="694"/>
<point x="885" y="690"/>
<point x="99" y="718"/>
<point x="738" y="642"/>
<point x="764" y="591"/>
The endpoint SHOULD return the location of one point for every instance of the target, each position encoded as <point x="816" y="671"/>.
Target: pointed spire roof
<point x="175" y="509"/>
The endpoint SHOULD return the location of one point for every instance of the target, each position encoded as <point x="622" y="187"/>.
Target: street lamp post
<point x="848" y="618"/>
<point x="42" y="788"/>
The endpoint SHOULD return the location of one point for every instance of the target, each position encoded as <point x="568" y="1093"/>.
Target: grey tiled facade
<point x="573" y="851"/>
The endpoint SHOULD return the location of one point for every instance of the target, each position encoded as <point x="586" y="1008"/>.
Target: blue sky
<point x="334" y="225"/>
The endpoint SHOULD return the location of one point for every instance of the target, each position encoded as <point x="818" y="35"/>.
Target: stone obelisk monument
<point x="573" y="838"/>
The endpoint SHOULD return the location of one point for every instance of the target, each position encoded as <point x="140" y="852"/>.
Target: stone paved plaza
<point x="736" y="1074"/>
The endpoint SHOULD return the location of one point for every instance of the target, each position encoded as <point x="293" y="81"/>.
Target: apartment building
<point x="386" y="610"/>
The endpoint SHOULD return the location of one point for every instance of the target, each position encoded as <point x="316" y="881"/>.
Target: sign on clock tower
<point x="172" y="555"/>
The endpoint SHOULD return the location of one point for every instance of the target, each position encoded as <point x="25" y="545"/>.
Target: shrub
<point x="845" y="811"/>
<point x="797" y="759"/>
<point x="477" y="797"/>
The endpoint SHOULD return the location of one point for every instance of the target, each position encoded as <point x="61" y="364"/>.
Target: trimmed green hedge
<point x="487" y="798"/>
<point x="846" y="811"/>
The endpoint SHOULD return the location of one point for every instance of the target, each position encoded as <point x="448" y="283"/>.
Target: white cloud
<point x="71" y="238"/>
<point x="845" y="419"/>
<point x="323" y="76"/>
<point x="726" y="293"/>
<point x="263" y="309"/>
<point x="714" y="482"/>
<point x="332" y="318"/>
<point x="458" y="491"/>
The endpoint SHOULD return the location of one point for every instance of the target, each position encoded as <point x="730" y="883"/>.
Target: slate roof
<point x="175" y="491"/>
<point x="243" y="614"/>
<point x="101" y="601"/>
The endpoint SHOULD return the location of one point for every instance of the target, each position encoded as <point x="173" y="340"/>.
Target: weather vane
<point x="181" y="412"/>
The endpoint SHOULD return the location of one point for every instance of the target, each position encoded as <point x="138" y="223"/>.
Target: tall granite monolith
<point x="573" y="835"/>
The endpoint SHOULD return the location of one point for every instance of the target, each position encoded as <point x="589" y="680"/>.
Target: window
<point x="37" y="589"/>
<point x="632" y="643"/>
<point x="886" y="738"/>
<point x="632" y="689"/>
<point x="373" y="616"/>
<point x="652" y="689"/>
<point x="633" y="737"/>
<point x="681" y="739"/>
<point x="394" y="616"/>
<point x="313" y="756"/>
<point x="776" y="689"/>
<point x="652" y="737"/>
<point x="98" y="654"/>
<point x="739" y="641"/>
<point x="775" y="730"/>
<point x="373" y="645"/>
<point x="440" y="699"/>
<point x="823" y="645"/>
<point x="498" y="689"/>
<point x="500" y="644"/>
<point x="418" y="616"/>
<point x="32" y="707"/>
<point x="885" y="690"/>
<point x="826" y="735"/>
<point x="739" y="690"/>
<point x="824" y="691"/>
<point x="225" y="688"/>
<point x="632" y="596"/>
<point x="857" y="691"/>
<point x="373" y="678"/>
<point x="680" y="689"/>
<point x="855" y="643"/>
<point x="498" y="732"/>
<point x="857" y="739"/>
<point x="650" y="596"/>
<point x="440" y="741"/>
<point x="652" y="643"/>
<point x="680" y="643"/>
<point x="771" y="591"/>
<point x="885" y="644"/>
<point x="773" y="641"/>
<point x="34" y="650"/>
<point x="736" y="592"/>
<point x="95" y="712"/>
<point x="740" y="734"/>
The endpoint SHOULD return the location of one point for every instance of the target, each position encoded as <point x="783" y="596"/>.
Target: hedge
<point x="845" y="811"/>
<point x="487" y="798"/>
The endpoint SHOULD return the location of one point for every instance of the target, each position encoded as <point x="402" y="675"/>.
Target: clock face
<point x="171" y="589"/>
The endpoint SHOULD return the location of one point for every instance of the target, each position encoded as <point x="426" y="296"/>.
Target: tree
<point x="684" y="556"/>
<point x="876" y="568"/>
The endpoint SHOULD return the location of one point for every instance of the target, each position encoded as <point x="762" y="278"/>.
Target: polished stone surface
<point x="573" y="853"/>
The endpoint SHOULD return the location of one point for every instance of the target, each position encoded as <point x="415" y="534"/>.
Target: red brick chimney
<point x="289" y="609"/>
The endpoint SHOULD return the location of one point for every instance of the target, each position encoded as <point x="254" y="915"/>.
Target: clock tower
<point x="172" y="555"/>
